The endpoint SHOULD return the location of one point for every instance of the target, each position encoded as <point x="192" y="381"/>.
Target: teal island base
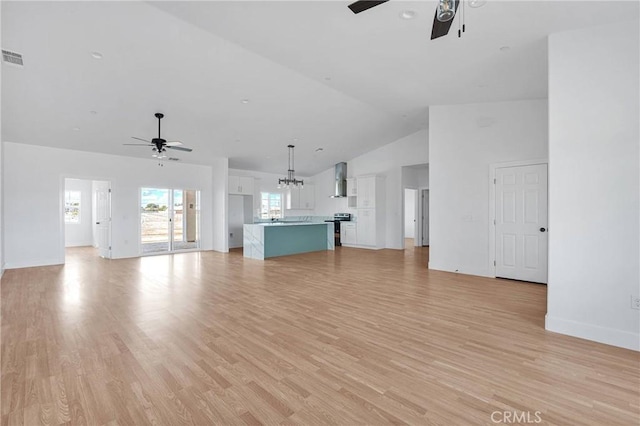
<point x="265" y="240"/>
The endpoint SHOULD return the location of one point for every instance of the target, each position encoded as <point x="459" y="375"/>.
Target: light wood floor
<point x="347" y="337"/>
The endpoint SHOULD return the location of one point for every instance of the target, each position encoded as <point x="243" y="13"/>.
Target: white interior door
<point x="410" y="224"/>
<point x="425" y="217"/>
<point x="521" y="223"/>
<point x="103" y="218"/>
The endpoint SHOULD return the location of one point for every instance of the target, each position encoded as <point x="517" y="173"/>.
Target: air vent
<point x="12" y="57"/>
<point x="173" y="159"/>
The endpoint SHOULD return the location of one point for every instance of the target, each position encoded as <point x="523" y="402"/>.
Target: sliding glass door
<point x="186" y="215"/>
<point x="169" y="220"/>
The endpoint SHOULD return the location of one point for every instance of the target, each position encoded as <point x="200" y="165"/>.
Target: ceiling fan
<point x="160" y="145"/>
<point x="445" y="12"/>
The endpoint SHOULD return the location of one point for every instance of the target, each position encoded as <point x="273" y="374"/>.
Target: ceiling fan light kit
<point x="158" y="145"/>
<point x="444" y="16"/>
<point x="446" y="10"/>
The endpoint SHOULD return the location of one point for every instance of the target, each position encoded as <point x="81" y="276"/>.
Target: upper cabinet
<point x="241" y="185"/>
<point x="301" y="198"/>
<point x="352" y="187"/>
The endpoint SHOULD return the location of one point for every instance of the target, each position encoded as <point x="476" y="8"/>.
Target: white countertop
<point x="289" y="223"/>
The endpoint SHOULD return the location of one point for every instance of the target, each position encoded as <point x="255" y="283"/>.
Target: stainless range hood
<point x="341" y="181"/>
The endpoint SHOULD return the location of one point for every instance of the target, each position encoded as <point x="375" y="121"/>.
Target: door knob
<point x="542" y="229"/>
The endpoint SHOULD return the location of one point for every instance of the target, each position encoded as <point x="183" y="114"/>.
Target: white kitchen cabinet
<point x="366" y="192"/>
<point x="348" y="233"/>
<point x="241" y="185"/>
<point x="301" y="198"/>
<point x="352" y="187"/>
<point x="366" y="227"/>
<point x="370" y="216"/>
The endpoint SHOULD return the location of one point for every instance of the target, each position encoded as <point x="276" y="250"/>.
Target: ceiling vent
<point x="12" y="57"/>
<point x="173" y="159"/>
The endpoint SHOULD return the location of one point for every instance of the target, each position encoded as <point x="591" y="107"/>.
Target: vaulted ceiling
<point x="309" y="73"/>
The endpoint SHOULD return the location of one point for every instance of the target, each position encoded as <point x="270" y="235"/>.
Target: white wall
<point x="33" y="191"/>
<point x="268" y="182"/>
<point x="594" y="173"/>
<point x="326" y="187"/>
<point x="463" y="141"/>
<point x="81" y="233"/>
<point x="1" y="169"/>
<point x="219" y="214"/>
<point x="385" y="161"/>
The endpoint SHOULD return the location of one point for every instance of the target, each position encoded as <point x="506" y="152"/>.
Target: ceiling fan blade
<point x="173" y="143"/>
<point x="442" y="28"/>
<point x="140" y="139"/>
<point x="138" y="144"/>
<point x="362" y="5"/>
<point x="179" y="148"/>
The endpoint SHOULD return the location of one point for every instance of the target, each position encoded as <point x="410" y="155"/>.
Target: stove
<point x="337" y="218"/>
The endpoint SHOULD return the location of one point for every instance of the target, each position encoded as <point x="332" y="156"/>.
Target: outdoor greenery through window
<point x="72" y="206"/>
<point x="270" y="205"/>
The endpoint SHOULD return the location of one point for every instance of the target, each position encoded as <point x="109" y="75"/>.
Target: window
<point x="270" y="205"/>
<point x="72" y="206"/>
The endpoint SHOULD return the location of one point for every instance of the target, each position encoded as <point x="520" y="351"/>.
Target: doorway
<point x="87" y="214"/>
<point x="169" y="220"/>
<point x="521" y="237"/>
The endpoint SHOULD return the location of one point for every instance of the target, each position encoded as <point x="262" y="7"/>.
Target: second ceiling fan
<point x="442" y="20"/>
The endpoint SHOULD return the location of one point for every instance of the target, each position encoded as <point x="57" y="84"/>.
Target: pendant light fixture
<point x="291" y="177"/>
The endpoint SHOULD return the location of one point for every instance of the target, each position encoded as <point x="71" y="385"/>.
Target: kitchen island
<point x="273" y="239"/>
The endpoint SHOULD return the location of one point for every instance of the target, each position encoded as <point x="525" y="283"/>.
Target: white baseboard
<point x="596" y="333"/>
<point x="80" y="244"/>
<point x="461" y="270"/>
<point x="362" y="247"/>
<point x="33" y="263"/>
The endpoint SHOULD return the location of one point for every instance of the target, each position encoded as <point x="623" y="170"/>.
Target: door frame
<point x="420" y="213"/>
<point x="61" y="191"/>
<point x="492" y="203"/>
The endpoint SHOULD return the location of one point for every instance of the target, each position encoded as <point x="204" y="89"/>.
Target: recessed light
<point x="319" y="149"/>
<point x="245" y="101"/>
<point x="476" y="3"/>
<point x="407" y="14"/>
<point x="505" y="49"/>
<point x="93" y="112"/>
<point x="76" y="129"/>
<point x="96" y="55"/>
